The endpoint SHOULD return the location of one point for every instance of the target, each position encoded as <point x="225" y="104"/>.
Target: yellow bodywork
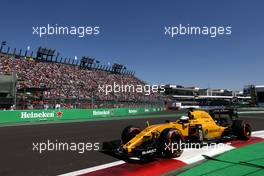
<point x="198" y="117"/>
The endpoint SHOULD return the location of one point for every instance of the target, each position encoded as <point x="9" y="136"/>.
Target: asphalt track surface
<point x="18" y="158"/>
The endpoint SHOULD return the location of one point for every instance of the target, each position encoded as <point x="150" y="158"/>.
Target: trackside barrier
<point x="18" y="116"/>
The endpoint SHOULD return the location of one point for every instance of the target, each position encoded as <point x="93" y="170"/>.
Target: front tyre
<point x="170" y="143"/>
<point x="241" y="129"/>
<point x="129" y="133"/>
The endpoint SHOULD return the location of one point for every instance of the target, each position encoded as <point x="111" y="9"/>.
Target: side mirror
<point x="147" y="123"/>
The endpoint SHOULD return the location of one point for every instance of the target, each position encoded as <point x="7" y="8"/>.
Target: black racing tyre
<point x="170" y="143"/>
<point x="129" y="132"/>
<point x="241" y="129"/>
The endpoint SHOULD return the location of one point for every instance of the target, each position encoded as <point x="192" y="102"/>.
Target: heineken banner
<point x="18" y="116"/>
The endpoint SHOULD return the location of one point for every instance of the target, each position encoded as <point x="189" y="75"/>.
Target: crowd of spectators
<point x="65" y="81"/>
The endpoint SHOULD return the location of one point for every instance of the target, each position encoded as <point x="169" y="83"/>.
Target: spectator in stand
<point x="69" y="81"/>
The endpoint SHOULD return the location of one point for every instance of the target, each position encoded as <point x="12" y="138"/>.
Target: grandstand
<point x="45" y="82"/>
<point x="185" y="97"/>
<point x="256" y="92"/>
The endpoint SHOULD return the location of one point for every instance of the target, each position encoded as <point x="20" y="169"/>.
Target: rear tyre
<point x="129" y="132"/>
<point x="170" y="143"/>
<point x="241" y="129"/>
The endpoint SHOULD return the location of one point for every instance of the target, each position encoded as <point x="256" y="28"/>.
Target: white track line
<point x="194" y="155"/>
<point x="251" y="112"/>
<point x="189" y="156"/>
<point x="92" y="169"/>
<point x="258" y="134"/>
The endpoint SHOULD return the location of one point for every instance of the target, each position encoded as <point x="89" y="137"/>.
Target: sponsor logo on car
<point x="149" y="151"/>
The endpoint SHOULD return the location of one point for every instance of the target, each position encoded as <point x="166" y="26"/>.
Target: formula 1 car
<point x="198" y="127"/>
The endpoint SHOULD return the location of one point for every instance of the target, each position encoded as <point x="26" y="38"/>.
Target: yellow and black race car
<point x="165" y="139"/>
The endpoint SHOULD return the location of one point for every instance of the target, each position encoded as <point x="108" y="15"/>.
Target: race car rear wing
<point x="231" y="112"/>
<point x="220" y="111"/>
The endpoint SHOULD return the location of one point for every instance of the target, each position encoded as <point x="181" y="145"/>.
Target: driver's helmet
<point x="184" y="118"/>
